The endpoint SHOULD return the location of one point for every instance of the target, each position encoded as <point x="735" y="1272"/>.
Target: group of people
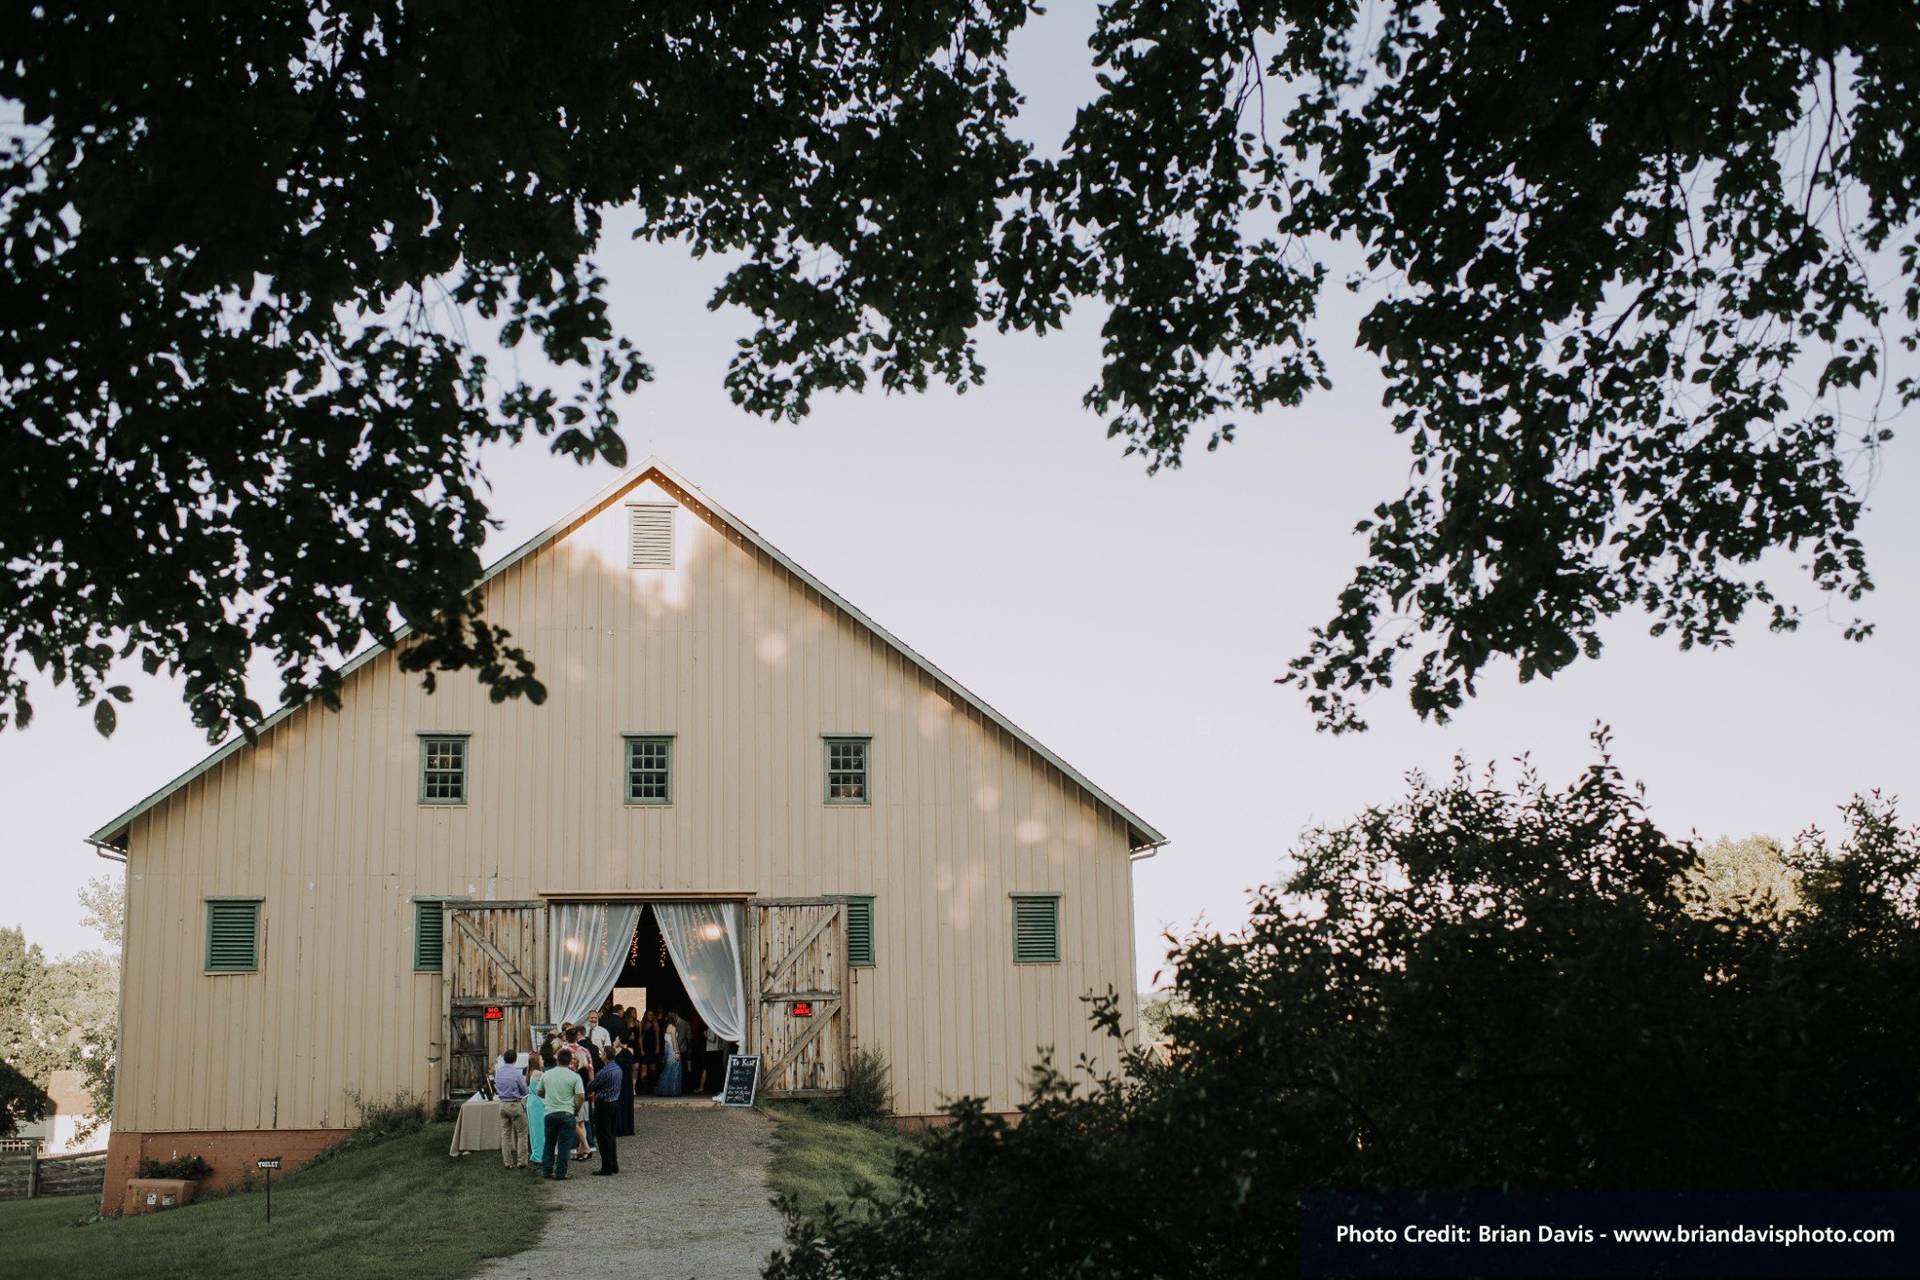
<point x="675" y="1055"/>
<point x="572" y="1097"/>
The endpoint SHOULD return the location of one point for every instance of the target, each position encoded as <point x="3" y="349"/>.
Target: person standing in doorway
<point x="628" y="1062"/>
<point x="695" y="1047"/>
<point x="604" y="1096"/>
<point x="598" y="1036"/>
<point x="649" y="1049"/>
<point x="616" y="1023"/>
<point x="712" y="1061"/>
<point x="669" y="1086"/>
<point x="510" y="1087"/>
<point x="563" y="1092"/>
<point x="682" y="1047"/>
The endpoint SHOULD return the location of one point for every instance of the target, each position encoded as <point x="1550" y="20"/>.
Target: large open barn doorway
<point x="666" y="1024"/>
<point x="682" y="964"/>
<point x="767" y="976"/>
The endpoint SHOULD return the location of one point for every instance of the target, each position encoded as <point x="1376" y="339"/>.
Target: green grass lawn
<point x="401" y="1209"/>
<point x="816" y="1159"/>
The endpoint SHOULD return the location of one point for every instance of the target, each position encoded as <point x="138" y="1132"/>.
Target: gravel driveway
<point x="691" y="1199"/>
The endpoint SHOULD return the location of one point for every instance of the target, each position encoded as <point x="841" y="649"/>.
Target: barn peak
<point x="1142" y="837"/>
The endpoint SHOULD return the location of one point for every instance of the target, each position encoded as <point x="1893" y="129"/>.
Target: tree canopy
<point x="65" y="1014"/>
<point x="1483" y="986"/>
<point x="1632" y="272"/>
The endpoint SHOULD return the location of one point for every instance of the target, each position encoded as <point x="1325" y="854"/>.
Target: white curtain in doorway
<point x="704" y="940"/>
<point x="587" y="946"/>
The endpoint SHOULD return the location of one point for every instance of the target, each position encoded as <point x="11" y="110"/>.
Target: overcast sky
<point x="1134" y="625"/>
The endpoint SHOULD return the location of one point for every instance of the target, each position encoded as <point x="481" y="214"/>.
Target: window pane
<point x="649" y="770"/>
<point x="847" y="770"/>
<point x="443" y="770"/>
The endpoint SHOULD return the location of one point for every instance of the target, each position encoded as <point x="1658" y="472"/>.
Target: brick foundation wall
<point x="920" y="1124"/>
<point x="231" y="1152"/>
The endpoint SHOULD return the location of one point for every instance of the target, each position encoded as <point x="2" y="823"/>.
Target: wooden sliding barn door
<point x="494" y="957"/>
<point x="800" y="964"/>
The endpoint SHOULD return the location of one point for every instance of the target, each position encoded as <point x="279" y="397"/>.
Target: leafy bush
<point x="394" y="1117"/>
<point x="866" y="1099"/>
<point x="191" y="1168"/>
<point x="868" y="1095"/>
<point x="1472" y="989"/>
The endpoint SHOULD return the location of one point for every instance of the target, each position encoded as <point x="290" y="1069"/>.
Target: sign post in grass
<point x="269" y="1164"/>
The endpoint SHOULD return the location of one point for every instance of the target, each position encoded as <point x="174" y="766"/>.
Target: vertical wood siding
<point x="747" y="667"/>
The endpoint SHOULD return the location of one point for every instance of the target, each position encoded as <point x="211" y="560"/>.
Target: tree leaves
<point x="1624" y="297"/>
<point x="1607" y="290"/>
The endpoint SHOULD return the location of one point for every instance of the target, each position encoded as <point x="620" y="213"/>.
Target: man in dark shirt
<point x="605" y="1093"/>
<point x="616" y="1023"/>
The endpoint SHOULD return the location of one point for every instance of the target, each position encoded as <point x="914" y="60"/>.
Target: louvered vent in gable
<point x="650" y="535"/>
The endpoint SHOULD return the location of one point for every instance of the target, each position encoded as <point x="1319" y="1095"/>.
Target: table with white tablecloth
<point x="476" y="1126"/>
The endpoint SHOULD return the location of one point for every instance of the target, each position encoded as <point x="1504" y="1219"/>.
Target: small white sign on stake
<point x="269" y="1163"/>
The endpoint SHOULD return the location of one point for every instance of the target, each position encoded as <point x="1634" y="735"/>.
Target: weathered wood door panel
<point x="800" y="964"/>
<point x="494" y="956"/>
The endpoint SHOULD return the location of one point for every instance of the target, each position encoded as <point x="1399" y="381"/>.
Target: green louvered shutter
<point x="428" y="921"/>
<point x="860" y="930"/>
<point x="233" y="935"/>
<point x="1036" y="928"/>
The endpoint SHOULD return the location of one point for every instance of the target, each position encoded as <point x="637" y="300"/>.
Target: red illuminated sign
<point x="803" y="1008"/>
<point x="495" y="1013"/>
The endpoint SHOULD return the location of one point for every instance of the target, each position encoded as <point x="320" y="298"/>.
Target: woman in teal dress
<point x="536" y="1111"/>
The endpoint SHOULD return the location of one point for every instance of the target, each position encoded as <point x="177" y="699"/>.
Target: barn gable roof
<point x="1141" y="835"/>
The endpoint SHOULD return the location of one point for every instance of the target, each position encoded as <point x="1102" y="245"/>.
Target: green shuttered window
<point x="847" y="769"/>
<point x="233" y="935"/>
<point x="1036" y="928"/>
<point x="428" y="927"/>
<point x="860" y="930"/>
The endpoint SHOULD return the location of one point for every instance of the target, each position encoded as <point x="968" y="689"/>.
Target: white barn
<point x="727" y="745"/>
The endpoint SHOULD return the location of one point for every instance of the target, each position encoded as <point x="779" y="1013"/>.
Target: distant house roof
<point x="1141" y="835"/>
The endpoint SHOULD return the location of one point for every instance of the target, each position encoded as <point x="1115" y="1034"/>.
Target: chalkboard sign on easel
<point x="743" y="1080"/>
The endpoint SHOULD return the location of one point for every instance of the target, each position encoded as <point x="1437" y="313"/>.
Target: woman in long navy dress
<point x="623" y="1122"/>
<point x="649" y="1049"/>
